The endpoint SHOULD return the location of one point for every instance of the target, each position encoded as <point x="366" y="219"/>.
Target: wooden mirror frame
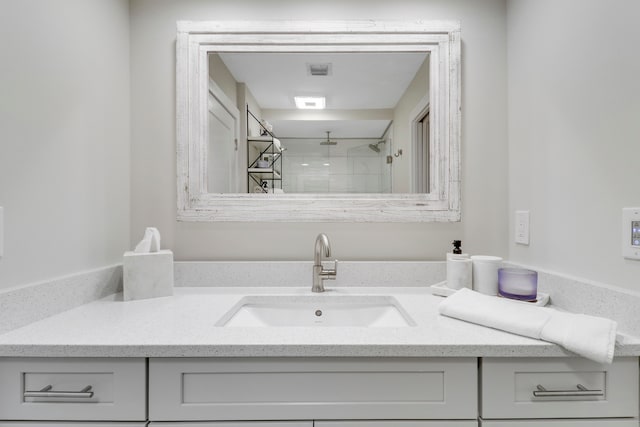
<point x="195" y="40"/>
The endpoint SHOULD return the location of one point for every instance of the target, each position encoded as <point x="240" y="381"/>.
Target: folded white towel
<point x="258" y="190"/>
<point x="589" y="336"/>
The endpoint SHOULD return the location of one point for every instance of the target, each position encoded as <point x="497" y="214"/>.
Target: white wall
<point x="416" y="91"/>
<point x="484" y="151"/>
<point x="220" y="74"/>
<point x="574" y="132"/>
<point x="574" y="100"/>
<point x="64" y="136"/>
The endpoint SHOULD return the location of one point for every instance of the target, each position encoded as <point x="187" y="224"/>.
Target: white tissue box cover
<point x="147" y="275"/>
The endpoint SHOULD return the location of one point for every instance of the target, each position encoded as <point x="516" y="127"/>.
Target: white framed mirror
<point x="435" y="178"/>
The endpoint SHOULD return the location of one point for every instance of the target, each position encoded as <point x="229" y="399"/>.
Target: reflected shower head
<point x="374" y="147"/>
<point x="329" y="141"/>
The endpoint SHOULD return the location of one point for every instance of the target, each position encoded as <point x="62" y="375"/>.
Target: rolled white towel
<point x="276" y="142"/>
<point x="589" y="336"/>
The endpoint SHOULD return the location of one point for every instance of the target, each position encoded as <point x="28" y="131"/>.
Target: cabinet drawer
<point x="562" y="423"/>
<point x="393" y="423"/>
<point x="69" y="424"/>
<point x="551" y="388"/>
<point x="235" y="424"/>
<point x="312" y="389"/>
<point x="56" y="389"/>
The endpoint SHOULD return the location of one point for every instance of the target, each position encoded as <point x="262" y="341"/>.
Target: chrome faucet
<point x="319" y="273"/>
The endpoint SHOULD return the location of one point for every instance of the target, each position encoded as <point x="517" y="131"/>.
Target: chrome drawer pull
<point x="581" y="391"/>
<point x="47" y="392"/>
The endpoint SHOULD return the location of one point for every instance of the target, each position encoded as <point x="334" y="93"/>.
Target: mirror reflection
<point x="318" y="122"/>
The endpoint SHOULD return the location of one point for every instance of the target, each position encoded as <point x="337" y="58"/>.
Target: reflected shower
<point x="374" y="147"/>
<point x="329" y="141"/>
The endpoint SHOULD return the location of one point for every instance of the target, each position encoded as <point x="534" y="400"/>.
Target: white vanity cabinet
<point x="318" y="392"/>
<point x="396" y="423"/>
<point x="602" y="422"/>
<point x="314" y="389"/>
<point x="556" y="389"/>
<point x="69" y="424"/>
<point x="234" y="424"/>
<point x="68" y="389"/>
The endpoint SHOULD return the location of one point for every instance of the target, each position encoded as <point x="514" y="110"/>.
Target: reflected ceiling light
<point x="310" y="102"/>
<point x="304" y="164"/>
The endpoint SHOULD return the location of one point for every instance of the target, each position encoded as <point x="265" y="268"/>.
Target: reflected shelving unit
<point x="264" y="159"/>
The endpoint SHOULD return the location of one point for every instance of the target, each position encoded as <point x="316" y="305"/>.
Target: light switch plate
<point x="631" y="233"/>
<point x="522" y="227"/>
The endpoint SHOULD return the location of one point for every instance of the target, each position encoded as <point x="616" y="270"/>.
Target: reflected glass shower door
<point x="349" y="166"/>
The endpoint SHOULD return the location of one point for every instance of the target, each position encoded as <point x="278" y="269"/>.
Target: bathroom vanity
<point x="329" y="392"/>
<point x="165" y="362"/>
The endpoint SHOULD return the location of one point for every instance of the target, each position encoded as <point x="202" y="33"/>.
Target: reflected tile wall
<point x="329" y="170"/>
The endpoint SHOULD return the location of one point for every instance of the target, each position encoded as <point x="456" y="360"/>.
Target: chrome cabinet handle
<point x="47" y="392"/>
<point x="581" y="391"/>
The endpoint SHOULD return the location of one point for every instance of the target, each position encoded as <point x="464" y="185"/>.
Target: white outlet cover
<point x="631" y="233"/>
<point x="522" y="228"/>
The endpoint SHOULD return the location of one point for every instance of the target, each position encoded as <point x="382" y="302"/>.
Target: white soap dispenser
<point x="459" y="268"/>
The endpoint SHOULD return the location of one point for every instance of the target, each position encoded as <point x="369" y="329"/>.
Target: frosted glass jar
<point x="518" y="283"/>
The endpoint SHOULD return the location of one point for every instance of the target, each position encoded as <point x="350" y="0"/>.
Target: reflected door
<point x="222" y="153"/>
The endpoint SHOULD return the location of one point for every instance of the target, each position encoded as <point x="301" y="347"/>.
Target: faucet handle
<point x="331" y="274"/>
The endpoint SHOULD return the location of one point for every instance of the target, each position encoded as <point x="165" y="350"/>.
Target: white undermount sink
<point x="316" y="310"/>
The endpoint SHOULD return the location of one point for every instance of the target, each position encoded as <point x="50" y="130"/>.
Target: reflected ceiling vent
<point x="319" y="69"/>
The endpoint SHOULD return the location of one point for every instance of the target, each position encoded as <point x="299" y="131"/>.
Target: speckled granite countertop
<point x="183" y="326"/>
